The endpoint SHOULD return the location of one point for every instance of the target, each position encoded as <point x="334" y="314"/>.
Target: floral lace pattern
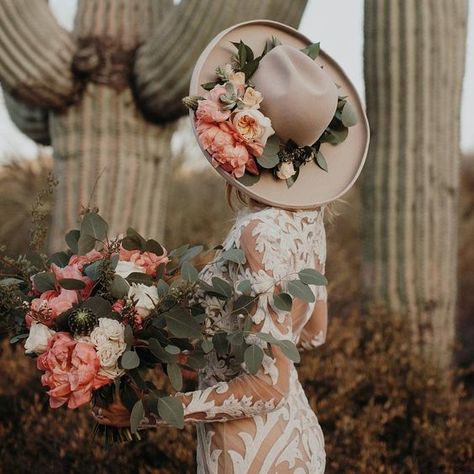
<point x="262" y="423"/>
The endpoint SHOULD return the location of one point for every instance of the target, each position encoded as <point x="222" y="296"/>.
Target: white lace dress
<point x="263" y="423"/>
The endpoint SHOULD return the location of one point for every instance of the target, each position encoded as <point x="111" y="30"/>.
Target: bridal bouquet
<point x="100" y="315"/>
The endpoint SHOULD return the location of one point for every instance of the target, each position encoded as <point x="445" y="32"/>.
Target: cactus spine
<point x="414" y="63"/>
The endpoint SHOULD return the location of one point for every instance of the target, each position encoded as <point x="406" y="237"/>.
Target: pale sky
<point x="337" y="24"/>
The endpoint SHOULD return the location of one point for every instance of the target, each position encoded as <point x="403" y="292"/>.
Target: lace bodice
<point x="268" y="424"/>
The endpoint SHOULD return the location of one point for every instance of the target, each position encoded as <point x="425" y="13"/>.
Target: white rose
<point x="145" y="298"/>
<point x="111" y="372"/>
<point x="286" y="170"/>
<point x="252" y="125"/>
<point x="251" y="99"/>
<point x="38" y="338"/>
<point x="124" y="268"/>
<point x="99" y="337"/>
<point x="108" y="354"/>
<point x="112" y="328"/>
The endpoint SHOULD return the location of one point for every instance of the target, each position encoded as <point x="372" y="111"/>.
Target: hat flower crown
<point x="240" y="138"/>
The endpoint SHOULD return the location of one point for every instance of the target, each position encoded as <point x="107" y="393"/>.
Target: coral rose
<point x="71" y="371"/>
<point x="148" y="262"/>
<point x="82" y="260"/>
<point x="210" y="109"/>
<point x="253" y="126"/>
<point x="50" y="305"/>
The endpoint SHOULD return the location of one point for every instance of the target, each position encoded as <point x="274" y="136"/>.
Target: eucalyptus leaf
<point x="196" y="361"/>
<point x="71" y="284"/>
<point x="72" y="239"/>
<point x="189" y="273"/>
<point x="10" y="281"/>
<point x="94" y="225"/>
<point x="269" y="158"/>
<point x="158" y="351"/>
<point x="154" y="247"/>
<point x="248" y="179"/>
<point x="171" y="410"/>
<point x="119" y="287"/>
<point x="221" y="287"/>
<point x="191" y="252"/>
<point x="163" y="288"/>
<point x="138" y="277"/>
<point x="321" y="161"/>
<point x="348" y="115"/>
<point x="136" y="416"/>
<point x="18" y="337"/>
<point x="243" y="303"/>
<point x="300" y="290"/>
<point x="233" y="255"/>
<point x="207" y="345"/>
<point x="220" y="342"/>
<point x="289" y="349"/>
<point x="99" y="306"/>
<point x="130" y="360"/>
<point x="61" y="259"/>
<point x="85" y="244"/>
<point x="93" y="270"/>
<point x="172" y="349"/>
<point x="180" y="251"/>
<point x="176" y="378"/>
<point x="283" y="301"/>
<point x="245" y="287"/>
<point x="266" y="337"/>
<point x="44" y="281"/>
<point x="312" y="277"/>
<point x="208" y="86"/>
<point x="253" y="357"/>
<point x="181" y="324"/>
<point x="128" y="335"/>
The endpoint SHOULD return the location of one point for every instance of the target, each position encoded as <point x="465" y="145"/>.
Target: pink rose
<point x="71" y="371"/>
<point x="74" y="272"/>
<point x="147" y="260"/>
<point x="81" y="260"/>
<point x="50" y="305"/>
<point x="210" y="109"/>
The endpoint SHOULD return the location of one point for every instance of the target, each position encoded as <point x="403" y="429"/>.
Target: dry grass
<point x="382" y="409"/>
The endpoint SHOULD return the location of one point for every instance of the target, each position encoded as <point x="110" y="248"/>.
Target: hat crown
<point x="299" y="97"/>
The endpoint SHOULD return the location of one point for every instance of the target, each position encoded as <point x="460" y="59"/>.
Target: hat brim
<point x="314" y="186"/>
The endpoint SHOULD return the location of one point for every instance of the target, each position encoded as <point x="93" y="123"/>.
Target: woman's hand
<point x="116" y="414"/>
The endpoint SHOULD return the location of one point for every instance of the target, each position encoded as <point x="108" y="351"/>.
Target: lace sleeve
<point x="313" y="333"/>
<point x="246" y="394"/>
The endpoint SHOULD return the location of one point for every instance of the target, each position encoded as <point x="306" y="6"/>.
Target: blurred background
<point x="91" y="92"/>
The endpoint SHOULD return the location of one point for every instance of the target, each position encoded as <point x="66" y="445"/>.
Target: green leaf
<point x="248" y="179"/>
<point x="61" y="259"/>
<point x="138" y="277"/>
<point x="163" y="288"/>
<point x="189" y="273"/>
<point x="93" y="270"/>
<point x="180" y="251"/>
<point x="72" y="239"/>
<point x="289" y="349"/>
<point x="130" y="244"/>
<point x="300" y="290"/>
<point x="128" y="335"/>
<point x="207" y="345"/>
<point x="208" y="86"/>
<point x="245" y="287"/>
<point x="181" y="324"/>
<point x="10" y="281"/>
<point x="283" y="301"/>
<point x="312" y="277"/>
<point x="336" y="136"/>
<point x="18" y="337"/>
<point x="130" y="360"/>
<point x="191" y="252"/>
<point x="99" y="306"/>
<point x="154" y="247"/>
<point x="44" y="281"/>
<point x="71" y="284"/>
<point x="233" y="255"/>
<point x="221" y="344"/>
<point x="266" y="337"/>
<point x="243" y="303"/>
<point x="269" y="158"/>
<point x="93" y="225"/>
<point x="250" y="68"/>
<point x="236" y="338"/>
<point x="321" y="161"/>
<point x="253" y="357"/>
<point x="85" y="244"/>
<point x="176" y="378"/>
<point x="136" y="416"/>
<point x="348" y="115"/>
<point x="196" y="361"/>
<point x="171" y="410"/>
<point x="312" y="50"/>
<point x="292" y="179"/>
<point x="221" y="287"/>
<point x="119" y="287"/>
<point x="172" y="349"/>
<point x="157" y="350"/>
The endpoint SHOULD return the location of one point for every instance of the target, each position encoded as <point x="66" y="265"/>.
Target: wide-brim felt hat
<point x="314" y="186"/>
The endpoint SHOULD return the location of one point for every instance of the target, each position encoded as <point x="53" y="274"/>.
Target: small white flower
<point x="286" y="170"/>
<point x="124" y="268"/>
<point x="108" y="354"/>
<point x="113" y="329"/>
<point x="145" y="298"/>
<point x="38" y="338"/>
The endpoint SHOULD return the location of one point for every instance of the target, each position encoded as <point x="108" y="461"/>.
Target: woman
<point x="263" y="423"/>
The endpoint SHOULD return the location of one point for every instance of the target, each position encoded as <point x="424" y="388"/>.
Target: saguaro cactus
<point x="105" y="95"/>
<point x="414" y="66"/>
